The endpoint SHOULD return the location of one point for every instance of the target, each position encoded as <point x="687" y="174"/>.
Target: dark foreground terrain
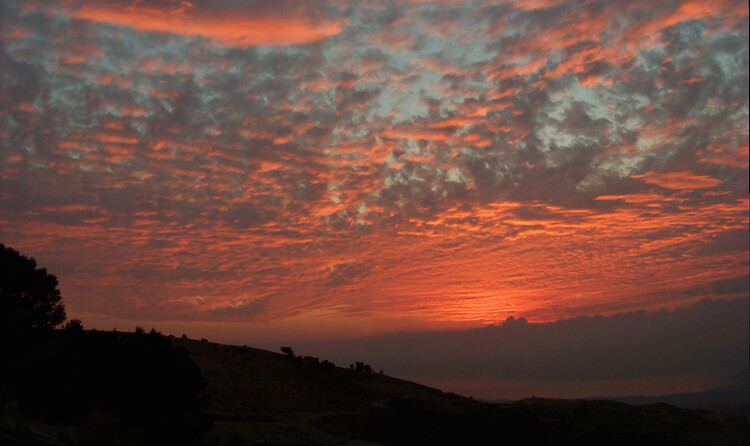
<point x="113" y="388"/>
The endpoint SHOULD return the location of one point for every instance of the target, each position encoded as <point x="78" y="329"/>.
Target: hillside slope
<point x="261" y="397"/>
<point x="136" y="389"/>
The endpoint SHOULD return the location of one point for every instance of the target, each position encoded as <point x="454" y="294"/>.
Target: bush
<point x="288" y="351"/>
<point x="74" y="326"/>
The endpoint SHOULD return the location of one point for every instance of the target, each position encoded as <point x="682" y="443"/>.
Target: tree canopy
<point x="29" y="296"/>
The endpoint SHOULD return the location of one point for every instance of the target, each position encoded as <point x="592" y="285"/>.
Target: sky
<point x="260" y="172"/>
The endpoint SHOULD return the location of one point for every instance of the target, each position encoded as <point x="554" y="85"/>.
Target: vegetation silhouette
<point x="361" y="367"/>
<point x="288" y="351"/>
<point x="29" y="297"/>
<point x="110" y="387"/>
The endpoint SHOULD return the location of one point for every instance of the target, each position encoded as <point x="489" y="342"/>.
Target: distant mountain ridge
<point x="732" y="400"/>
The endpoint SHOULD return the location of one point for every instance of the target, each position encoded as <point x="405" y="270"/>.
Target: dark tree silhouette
<point x="74" y="326"/>
<point x="326" y="364"/>
<point x="288" y="351"/>
<point x="361" y="367"/>
<point x="29" y="297"/>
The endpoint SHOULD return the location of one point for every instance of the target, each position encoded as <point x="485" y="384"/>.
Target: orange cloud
<point x="230" y="25"/>
<point x="726" y="154"/>
<point x="724" y="10"/>
<point x="679" y="180"/>
<point x="286" y="178"/>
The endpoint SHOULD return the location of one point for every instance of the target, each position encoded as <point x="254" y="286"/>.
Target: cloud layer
<point x="705" y="339"/>
<point x="449" y="161"/>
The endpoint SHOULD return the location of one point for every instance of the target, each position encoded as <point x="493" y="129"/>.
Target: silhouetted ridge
<point x="110" y="387"/>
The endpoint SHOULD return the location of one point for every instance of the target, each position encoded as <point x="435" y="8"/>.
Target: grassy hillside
<point x="261" y="397"/>
<point x="257" y="397"/>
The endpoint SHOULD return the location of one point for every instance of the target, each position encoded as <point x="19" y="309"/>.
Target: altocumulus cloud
<point x="452" y="161"/>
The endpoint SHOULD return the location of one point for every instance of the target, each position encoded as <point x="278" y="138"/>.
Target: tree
<point x="74" y="326"/>
<point x="29" y="297"/>
<point x="288" y="351"/>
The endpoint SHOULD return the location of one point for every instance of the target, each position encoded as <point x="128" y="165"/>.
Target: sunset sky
<point x="273" y="171"/>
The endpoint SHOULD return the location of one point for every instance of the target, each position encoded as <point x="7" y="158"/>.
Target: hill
<point x="262" y="397"/>
<point x="731" y="400"/>
<point x="257" y="397"/>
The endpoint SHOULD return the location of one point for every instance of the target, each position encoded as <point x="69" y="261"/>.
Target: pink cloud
<point x="679" y="180"/>
<point x="261" y="23"/>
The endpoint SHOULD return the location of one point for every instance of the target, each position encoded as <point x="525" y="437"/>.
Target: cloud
<point x="707" y="337"/>
<point x="679" y="180"/>
<point x="343" y="273"/>
<point x="234" y="23"/>
<point x="456" y="164"/>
